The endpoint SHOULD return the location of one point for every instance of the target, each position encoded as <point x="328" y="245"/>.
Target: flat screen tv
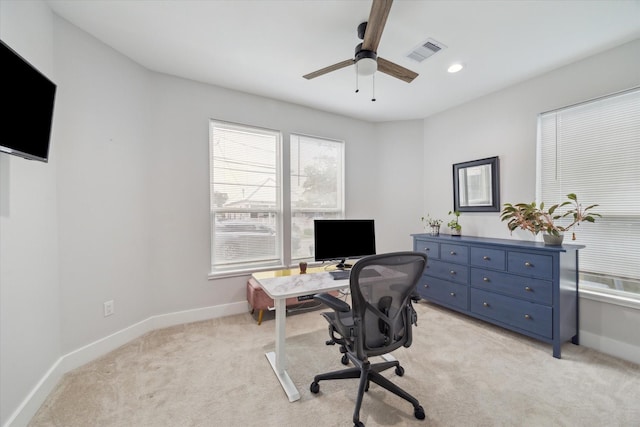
<point x="342" y="239"/>
<point x="27" y="98"/>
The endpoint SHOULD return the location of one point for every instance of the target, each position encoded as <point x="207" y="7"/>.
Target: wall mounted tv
<point x="342" y="239"/>
<point x="27" y="98"/>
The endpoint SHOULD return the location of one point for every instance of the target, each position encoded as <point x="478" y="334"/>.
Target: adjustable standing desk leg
<point x="278" y="359"/>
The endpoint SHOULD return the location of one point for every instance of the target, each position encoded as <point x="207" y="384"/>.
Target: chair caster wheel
<point x="358" y="424"/>
<point x="315" y="388"/>
<point x="419" y="413"/>
<point x="399" y="371"/>
<point x="345" y="359"/>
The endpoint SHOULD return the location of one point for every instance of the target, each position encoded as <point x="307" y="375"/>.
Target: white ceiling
<point x="264" y="47"/>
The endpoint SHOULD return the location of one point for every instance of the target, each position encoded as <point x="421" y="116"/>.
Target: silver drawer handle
<point x="486" y="258"/>
<point x="452" y="253"/>
<point x="453" y="294"/>
<point x="452" y="272"/>
<point x="528" y="264"/>
<point x="486" y="279"/>
<point x="528" y="289"/>
<point x="486" y="304"/>
<point x="526" y="316"/>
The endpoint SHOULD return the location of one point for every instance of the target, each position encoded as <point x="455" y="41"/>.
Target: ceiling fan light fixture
<point x="367" y="66"/>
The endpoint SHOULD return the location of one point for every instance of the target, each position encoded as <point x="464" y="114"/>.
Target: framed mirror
<point x="476" y="186"/>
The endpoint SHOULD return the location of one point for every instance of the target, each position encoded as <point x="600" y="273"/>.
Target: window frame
<point x="284" y="210"/>
<point x="570" y="134"/>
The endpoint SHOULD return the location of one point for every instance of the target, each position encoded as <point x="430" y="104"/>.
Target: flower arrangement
<point x="534" y="218"/>
<point x="432" y="223"/>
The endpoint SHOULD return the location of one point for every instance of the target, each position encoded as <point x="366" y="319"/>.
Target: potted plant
<point x="533" y="218"/>
<point x="454" y="225"/>
<point x="433" y="224"/>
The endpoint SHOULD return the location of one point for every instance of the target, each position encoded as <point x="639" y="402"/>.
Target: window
<point x="593" y="150"/>
<point x="249" y="199"/>
<point x="317" y="188"/>
<point x="245" y="196"/>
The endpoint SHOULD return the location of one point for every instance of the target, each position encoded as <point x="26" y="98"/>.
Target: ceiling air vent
<point x="425" y="50"/>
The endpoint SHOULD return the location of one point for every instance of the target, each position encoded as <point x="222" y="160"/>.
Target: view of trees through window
<point x="316" y="188"/>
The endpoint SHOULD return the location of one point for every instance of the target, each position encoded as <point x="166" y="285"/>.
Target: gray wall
<point x="30" y="313"/>
<point x="121" y="210"/>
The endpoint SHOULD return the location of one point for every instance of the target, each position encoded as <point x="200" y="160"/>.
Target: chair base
<point x="368" y="372"/>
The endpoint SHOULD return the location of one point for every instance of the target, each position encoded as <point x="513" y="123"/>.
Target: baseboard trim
<point x="610" y="346"/>
<point x="98" y="348"/>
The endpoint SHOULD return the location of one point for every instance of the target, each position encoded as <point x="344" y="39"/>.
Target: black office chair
<point x="379" y="321"/>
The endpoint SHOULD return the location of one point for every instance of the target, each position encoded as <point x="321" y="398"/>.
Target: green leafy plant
<point x="454" y="224"/>
<point x="534" y="218"/>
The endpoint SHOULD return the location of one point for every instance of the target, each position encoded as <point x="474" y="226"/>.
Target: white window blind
<point x="245" y="176"/>
<point x="317" y="188"/>
<point x="593" y="150"/>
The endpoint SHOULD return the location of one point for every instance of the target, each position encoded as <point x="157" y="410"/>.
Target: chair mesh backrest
<point x="381" y="287"/>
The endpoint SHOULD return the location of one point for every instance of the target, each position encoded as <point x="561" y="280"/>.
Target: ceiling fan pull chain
<point x="357" y="89"/>
<point x="373" y="83"/>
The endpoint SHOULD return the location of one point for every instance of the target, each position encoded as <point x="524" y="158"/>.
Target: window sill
<point x="214" y="275"/>
<point x="608" y="298"/>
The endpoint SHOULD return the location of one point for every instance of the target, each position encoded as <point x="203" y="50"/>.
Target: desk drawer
<point x="448" y="271"/>
<point x="530" y="289"/>
<point x="489" y="258"/>
<point x="432" y="249"/>
<point x="529" y="316"/>
<point x="528" y="264"/>
<point x="449" y="293"/>
<point x="454" y="253"/>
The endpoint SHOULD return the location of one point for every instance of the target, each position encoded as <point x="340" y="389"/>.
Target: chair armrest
<point x="333" y="302"/>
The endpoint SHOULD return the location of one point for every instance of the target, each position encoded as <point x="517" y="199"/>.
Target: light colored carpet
<point x="464" y="372"/>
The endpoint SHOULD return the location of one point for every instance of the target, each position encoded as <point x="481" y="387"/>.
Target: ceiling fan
<point x="366" y="57"/>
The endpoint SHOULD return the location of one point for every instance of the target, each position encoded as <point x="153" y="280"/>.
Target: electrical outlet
<point x="109" y="308"/>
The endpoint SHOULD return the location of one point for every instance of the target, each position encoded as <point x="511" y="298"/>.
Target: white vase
<point x="552" y="240"/>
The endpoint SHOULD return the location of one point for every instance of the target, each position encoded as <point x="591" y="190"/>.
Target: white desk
<point x="284" y="284"/>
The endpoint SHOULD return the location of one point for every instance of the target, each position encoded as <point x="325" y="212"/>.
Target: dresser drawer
<point x="444" y="292"/>
<point x="528" y="316"/>
<point x="448" y="271"/>
<point x="454" y="253"/>
<point x="528" y="288"/>
<point x="488" y="258"/>
<point x="432" y="249"/>
<point x="528" y="264"/>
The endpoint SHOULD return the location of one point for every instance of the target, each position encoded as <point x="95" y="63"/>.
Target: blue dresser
<point x="523" y="286"/>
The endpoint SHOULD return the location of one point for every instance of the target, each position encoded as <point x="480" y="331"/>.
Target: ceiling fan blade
<point x="395" y="70"/>
<point x="329" y="69"/>
<point x="377" y="19"/>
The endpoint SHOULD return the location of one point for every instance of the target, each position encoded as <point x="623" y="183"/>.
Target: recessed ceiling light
<point x="455" y="68"/>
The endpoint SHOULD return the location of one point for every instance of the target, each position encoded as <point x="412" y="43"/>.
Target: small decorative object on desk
<point x="433" y="224"/>
<point x="454" y="225"/>
<point x="533" y="218"/>
<point x="303" y="267"/>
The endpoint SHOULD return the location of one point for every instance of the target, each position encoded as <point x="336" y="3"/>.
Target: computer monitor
<point x="342" y="239"/>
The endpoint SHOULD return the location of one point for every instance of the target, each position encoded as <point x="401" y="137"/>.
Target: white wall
<point x="104" y="149"/>
<point x="180" y="189"/>
<point x="398" y="184"/>
<point x="29" y="288"/>
<point x="504" y="124"/>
